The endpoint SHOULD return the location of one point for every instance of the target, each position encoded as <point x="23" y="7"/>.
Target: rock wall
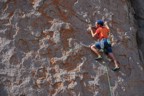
<point x="139" y="16"/>
<point x="44" y="49"/>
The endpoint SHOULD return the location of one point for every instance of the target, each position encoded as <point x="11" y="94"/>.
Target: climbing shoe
<point x="116" y="68"/>
<point x="98" y="58"/>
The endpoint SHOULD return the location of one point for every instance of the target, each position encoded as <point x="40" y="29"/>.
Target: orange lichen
<point x="52" y="61"/>
<point x="58" y="85"/>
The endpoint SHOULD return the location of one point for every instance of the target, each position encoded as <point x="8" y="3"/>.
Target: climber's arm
<point x="92" y="30"/>
<point x="92" y="33"/>
<point x="106" y="25"/>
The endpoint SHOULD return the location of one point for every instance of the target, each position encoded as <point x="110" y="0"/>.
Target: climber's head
<point x="99" y="23"/>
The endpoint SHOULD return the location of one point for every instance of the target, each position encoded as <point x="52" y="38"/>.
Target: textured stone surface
<point x="44" y="49"/>
<point x="139" y="16"/>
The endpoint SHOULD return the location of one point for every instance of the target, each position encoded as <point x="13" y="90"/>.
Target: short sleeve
<point x="97" y="31"/>
<point x="108" y="30"/>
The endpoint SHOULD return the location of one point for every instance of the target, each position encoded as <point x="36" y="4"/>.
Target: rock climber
<point x="103" y="43"/>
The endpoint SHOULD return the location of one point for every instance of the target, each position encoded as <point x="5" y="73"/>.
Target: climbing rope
<point x="109" y="84"/>
<point x="109" y="81"/>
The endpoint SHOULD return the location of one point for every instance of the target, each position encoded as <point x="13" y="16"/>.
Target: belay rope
<point x="109" y="81"/>
<point x="109" y="84"/>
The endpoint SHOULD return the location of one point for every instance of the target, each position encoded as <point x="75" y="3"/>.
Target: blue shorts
<point x="105" y="45"/>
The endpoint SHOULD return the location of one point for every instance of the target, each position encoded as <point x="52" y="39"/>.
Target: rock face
<point x="139" y="15"/>
<point x="44" y="49"/>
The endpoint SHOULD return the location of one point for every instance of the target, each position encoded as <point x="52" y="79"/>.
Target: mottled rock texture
<point x="139" y="16"/>
<point x="44" y="49"/>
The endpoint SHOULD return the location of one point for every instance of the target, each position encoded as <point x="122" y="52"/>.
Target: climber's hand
<point x="105" y="23"/>
<point x="89" y="28"/>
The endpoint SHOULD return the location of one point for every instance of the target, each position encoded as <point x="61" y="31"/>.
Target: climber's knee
<point x="92" y="47"/>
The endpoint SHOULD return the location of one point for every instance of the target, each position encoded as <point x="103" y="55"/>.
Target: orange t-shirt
<point x="102" y="32"/>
